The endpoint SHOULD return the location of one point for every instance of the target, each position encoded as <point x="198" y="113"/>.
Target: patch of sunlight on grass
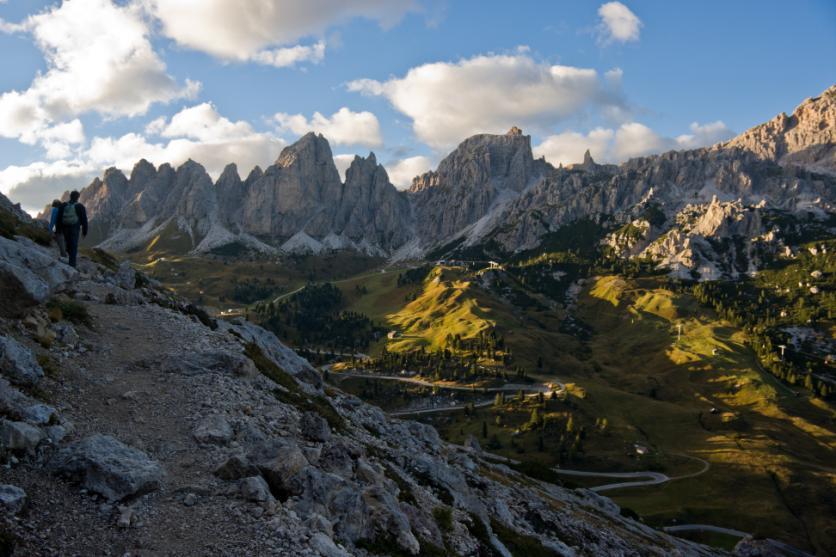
<point x="609" y="289"/>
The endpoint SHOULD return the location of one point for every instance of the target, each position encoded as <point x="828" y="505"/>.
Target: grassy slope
<point x="452" y="301"/>
<point x="764" y="443"/>
<point x="207" y="280"/>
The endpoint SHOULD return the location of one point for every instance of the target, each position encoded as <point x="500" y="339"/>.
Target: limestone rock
<point x="28" y="275"/>
<point x="236" y="467"/>
<point x="278" y="460"/>
<point x="18" y="363"/>
<point x="12" y="499"/>
<point x="314" y="427"/>
<point x="39" y="414"/>
<point x="126" y="276"/>
<point x="255" y="489"/>
<point x="807" y="137"/>
<point x="213" y="430"/>
<point x="108" y="467"/>
<point x="20" y="436"/>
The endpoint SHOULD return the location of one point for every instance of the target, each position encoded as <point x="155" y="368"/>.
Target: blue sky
<point x="79" y="87"/>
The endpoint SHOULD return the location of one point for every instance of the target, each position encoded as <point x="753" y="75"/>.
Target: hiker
<point x="72" y="216"/>
<point x="55" y="228"/>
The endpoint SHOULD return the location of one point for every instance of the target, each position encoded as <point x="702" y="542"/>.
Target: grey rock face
<point x="490" y="190"/>
<point x="278" y="460"/>
<point x="300" y="194"/>
<point x="18" y="363"/>
<point x="255" y="489"/>
<point x="314" y="427"/>
<point x="267" y="342"/>
<point x="39" y="414"/>
<point x="20" y="436"/>
<point x="12" y="499"/>
<point x="807" y="137"/>
<point x="28" y="275"/>
<point x="236" y="467"/>
<point x="108" y="467"/>
<point x="470" y="180"/>
<point x="213" y="430"/>
<point x="126" y="276"/>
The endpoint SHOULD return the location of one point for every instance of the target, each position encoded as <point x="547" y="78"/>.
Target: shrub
<point x="72" y="311"/>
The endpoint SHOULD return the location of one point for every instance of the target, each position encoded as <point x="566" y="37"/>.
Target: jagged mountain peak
<point x="310" y="146"/>
<point x="587" y="158"/>
<point x="806" y="138"/>
<point x="229" y="175"/>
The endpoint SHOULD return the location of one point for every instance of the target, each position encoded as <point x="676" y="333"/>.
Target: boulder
<point x="272" y="347"/>
<point x="18" y="363"/>
<point x="255" y="489"/>
<point x="20" y="436"/>
<point x="125" y="276"/>
<point x="314" y="427"/>
<point x="235" y="468"/>
<point x="28" y="275"/>
<point x="12" y="499"/>
<point x="65" y="333"/>
<point x="39" y="414"/>
<point x="107" y="466"/>
<point x="278" y="460"/>
<point x="12" y="401"/>
<point x="214" y="430"/>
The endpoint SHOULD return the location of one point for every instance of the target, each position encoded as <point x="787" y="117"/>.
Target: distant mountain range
<point x="491" y="193"/>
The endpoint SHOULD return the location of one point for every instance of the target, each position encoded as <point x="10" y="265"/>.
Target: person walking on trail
<point x="73" y="219"/>
<point x="55" y="228"/>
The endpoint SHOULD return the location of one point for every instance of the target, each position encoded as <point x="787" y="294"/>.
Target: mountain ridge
<point x="489" y="190"/>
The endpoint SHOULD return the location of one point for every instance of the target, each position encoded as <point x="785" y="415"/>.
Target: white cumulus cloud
<point x="344" y="127"/>
<point x="403" y="171"/>
<point x="342" y="162"/>
<point x="199" y="133"/>
<point x="449" y="101"/>
<point x="292" y="55"/>
<point x="631" y="139"/>
<point x="250" y="29"/>
<point x="618" y="23"/>
<point x="98" y="58"/>
<point x="705" y="134"/>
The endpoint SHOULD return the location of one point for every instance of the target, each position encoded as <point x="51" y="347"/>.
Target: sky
<point x="89" y="84"/>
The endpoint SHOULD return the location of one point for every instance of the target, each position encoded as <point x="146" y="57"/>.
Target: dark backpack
<point x="70" y="216"/>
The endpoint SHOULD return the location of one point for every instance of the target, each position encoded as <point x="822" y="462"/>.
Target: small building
<point x="640" y="449"/>
<point x="393" y="335"/>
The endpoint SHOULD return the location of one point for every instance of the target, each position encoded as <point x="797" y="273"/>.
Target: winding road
<point x="532" y="390"/>
<point x="705" y="528"/>
<point x="652" y="478"/>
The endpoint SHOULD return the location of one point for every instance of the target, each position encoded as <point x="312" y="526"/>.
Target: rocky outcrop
<point x="18" y="364"/>
<point x="12" y="499"/>
<point x="807" y="137"/>
<point x="29" y="274"/>
<point x="714" y="241"/>
<point x="106" y="466"/>
<point x="301" y="195"/>
<point x="482" y="175"/>
<point x="489" y="191"/>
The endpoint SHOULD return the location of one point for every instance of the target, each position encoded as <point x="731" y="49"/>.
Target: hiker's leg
<point x="62" y="244"/>
<point x="72" y="234"/>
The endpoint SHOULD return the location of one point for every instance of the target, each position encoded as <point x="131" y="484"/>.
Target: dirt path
<point x="123" y="386"/>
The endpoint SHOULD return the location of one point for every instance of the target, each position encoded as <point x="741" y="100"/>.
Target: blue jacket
<point x="53" y="216"/>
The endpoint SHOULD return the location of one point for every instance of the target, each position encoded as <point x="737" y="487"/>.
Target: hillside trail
<point x="121" y="387"/>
